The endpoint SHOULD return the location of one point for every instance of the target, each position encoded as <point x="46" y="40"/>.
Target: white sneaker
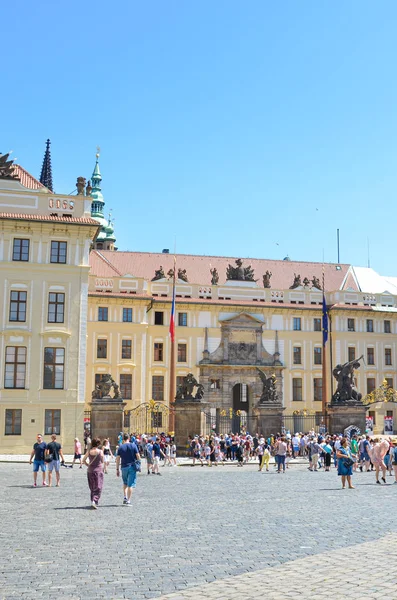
<point x="93" y="505"/>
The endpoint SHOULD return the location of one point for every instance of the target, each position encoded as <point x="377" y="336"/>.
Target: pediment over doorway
<point x="242" y="320"/>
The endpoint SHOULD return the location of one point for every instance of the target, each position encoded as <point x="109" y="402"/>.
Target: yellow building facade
<point x="45" y="242"/>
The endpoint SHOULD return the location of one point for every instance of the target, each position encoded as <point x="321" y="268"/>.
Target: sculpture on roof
<point x="182" y="275"/>
<point x="316" y="282"/>
<point x="269" y="391"/>
<point x="170" y="274"/>
<point x="7" y="167"/>
<point x="80" y="185"/>
<point x="346" y="391"/>
<point x="240" y="273"/>
<point x="297" y="282"/>
<point x="159" y="274"/>
<point x="306" y="282"/>
<point x="88" y="189"/>
<point x="266" y="279"/>
<point x="215" y="276"/>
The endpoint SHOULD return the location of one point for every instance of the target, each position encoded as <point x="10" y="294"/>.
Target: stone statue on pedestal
<point x="103" y="388"/>
<point x="269" y="391"/>
<point x="346" y="391"/>
<point x="186" y="389"/>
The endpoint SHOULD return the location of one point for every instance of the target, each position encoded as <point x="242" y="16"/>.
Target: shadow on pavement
<point x="89" y="507"/>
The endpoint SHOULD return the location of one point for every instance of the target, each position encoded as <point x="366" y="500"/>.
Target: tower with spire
<point x="46" y="169"/>
<point x="106" y="238"/>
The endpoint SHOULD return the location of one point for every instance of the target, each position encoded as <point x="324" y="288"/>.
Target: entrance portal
<point x="241" y="403"/>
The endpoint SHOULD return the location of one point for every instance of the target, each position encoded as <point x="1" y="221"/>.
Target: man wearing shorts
<point x="38" y="463"/>
<point x="149" y="457"/>
<point x="55" y="450"/>
<point x="127" y="454"/>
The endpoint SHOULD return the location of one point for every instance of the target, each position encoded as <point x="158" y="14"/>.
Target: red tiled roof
<point x="51" y="218"/>
<point x="144" y="264"/>
<point x="26" y="179"/>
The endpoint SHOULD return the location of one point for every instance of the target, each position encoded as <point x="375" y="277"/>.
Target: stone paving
<point x="245" y="533"/>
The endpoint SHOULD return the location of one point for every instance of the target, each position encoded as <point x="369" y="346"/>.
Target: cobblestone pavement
<point x="249" y="532"/>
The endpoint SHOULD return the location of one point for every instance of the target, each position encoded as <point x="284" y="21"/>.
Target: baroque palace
<point x="74" y="308"/>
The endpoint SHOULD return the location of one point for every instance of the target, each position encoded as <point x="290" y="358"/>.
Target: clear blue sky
<point x="234" y="125"/>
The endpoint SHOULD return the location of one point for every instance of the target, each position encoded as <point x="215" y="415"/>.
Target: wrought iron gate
<point x="225" y="421"/>
<point x="148" y="417"/>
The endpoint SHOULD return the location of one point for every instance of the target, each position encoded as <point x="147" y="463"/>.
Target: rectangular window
<point x="54" y="368"/>
<point x="215" y="384"/>
<point x="13" y="421"/>
<point x="126" y="349"/>
<point x="58" y="252"/>
<point x="158" y="387"/>
<point x="317" y="324"/>
<point x="297" y="355"/>
<point x="127" y="315"/>
<point x="297" y="324"/>
<point x="18" y="306"/>
<point x="158" y="352"/>
<point x="318" y="389"/>
<point x="182" y="353"/>
<point x="318" y="355"/>
<point x="182" y="319"/>
<point x="370" y="384"/>
<point x="52" y="421"/>
<point x="297" y="389"/>
<point x="158" y="317"/>
<point x="20" y="250"/>
<point x="56" y="307"/>
<point x="351" y="353"/>
<point x="388" y="356"/>
<point x="389" y="382"/>
<point x="386" y="326"/>
<point x="371" y="356"/>
<point x="126" y="386"/>
<point x="15" y="370"/>
<point x="370" y="326"/>
<point x="102" y="348"/>
<point x="350" y="325"/>
<point x="103" y="313"/>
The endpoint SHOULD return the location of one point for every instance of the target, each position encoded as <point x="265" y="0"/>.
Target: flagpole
<point x="172" y="387"/>
<point x="324" y="361"/>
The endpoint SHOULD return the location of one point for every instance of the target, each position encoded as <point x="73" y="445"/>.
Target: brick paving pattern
<point x="235" y="529"/>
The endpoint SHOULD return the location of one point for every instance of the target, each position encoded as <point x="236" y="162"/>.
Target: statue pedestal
<point x="341" y="416"/>
<point x="190" y="419"/>
<point x="107" y="418"/>
<point x="269" y="419"/>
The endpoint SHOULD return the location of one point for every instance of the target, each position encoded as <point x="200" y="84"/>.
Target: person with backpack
<point x="53" y="453"/>
<point x="130" y="459"/>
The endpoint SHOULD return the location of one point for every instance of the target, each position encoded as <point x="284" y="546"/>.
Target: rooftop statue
<point x="6" y="167"/>
<point x="159" y="274"/>
<point x="266" y="279"/>
<point x="316" y="283"/>
<point x="297" y="282"/>
<point x="215" y="276"/>
<point x="240" y="273"/>
<point x="80" y="186"/>
<point x="306" y="282"/>
<point x="182" y="275"/>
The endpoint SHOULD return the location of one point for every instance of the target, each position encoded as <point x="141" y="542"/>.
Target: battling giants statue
<point x="185" y="391"/>
<point x="346" y="391"/>
<point x="269" y="391"/>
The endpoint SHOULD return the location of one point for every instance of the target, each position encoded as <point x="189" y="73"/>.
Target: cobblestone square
<point x="240" y="531"/>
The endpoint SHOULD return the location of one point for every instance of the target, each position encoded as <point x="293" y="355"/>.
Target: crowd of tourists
<point x="347" y="455"/>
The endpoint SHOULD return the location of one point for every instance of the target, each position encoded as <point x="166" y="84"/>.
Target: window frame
<point x="126" y="349"/>
<point x="21" y="306"/>
<point x="21" y="250"/>
<point x="317" y="389"/>
<point x="350" y="358"/>
<point x="387" y="326"/>
<point x="370" y="326"/>
<point x="126" y="386"/>
<point x="57" y="351"/>
<point x="103" y="314"/>
<point x="55" y="252"/>
<point x="127" y="311"/>
<point x="55" y="415"/>
<point x="317" y="326"/>
<point x="158" y="388"/>
<point x="297" y="324"/>
<point x="388" y="355"/>
<point x="182" y="352"/>
<point x="14" y="412"/>
<point x="317" y="355"/>
<point x="15" y="363"/>
<point x="182" y="319"/>
<point x="158" y="350"/>
<point x="102" y="347"/>
<point x="297" y="354"/>
<point x="374" y="384"/>
<point x="297" y="388"/>
<point x="370" y="359"/>
<point x="160" y="314"/>
<point x="59" y="307"/>
<point x="349" y="327"/>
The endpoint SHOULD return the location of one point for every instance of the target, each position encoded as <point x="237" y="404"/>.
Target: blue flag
<point x="325" y="321"/>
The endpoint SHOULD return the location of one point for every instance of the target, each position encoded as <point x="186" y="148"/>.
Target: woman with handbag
<point x="345" y="463"/>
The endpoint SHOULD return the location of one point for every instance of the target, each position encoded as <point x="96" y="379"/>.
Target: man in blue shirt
<point x="127" y="454"/>
<point x="38" y="452"/>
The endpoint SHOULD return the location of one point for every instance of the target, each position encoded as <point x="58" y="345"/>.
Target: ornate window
<point x="56" y="307"/>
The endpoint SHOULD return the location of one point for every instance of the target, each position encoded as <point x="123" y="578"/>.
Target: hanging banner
<point x="369" y="425"/>
<point x="388" y="427"/>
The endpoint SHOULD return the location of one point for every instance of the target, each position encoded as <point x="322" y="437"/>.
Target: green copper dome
<point x="98" y="205"/>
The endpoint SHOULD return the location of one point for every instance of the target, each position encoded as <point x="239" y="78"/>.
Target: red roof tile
<point x="144" y="264"/>
<point x="26" y="179"/>
<point x="51" y="218"/>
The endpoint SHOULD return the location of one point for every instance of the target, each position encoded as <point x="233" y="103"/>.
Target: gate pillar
<point x="107" y="418"/>
<point x="269" y="419"/>
<point x="189" y="420"/>
<point x="342" y="416"/>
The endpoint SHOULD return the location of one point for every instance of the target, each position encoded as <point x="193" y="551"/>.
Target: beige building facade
<point x="45" y="241"/>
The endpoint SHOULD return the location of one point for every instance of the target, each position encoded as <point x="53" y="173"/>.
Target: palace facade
<point x="75" y="309"/>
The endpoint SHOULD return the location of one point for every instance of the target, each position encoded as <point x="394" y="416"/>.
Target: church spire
<point x="98" y="202"/>
<point x="46" y="170"/>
